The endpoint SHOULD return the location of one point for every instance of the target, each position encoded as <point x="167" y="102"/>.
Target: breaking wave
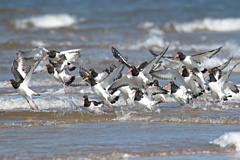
<point x="231" y="139"/>
<point x="152" y="41"/>
<point x="47" y="21"/>
<point x="206" y="24"/>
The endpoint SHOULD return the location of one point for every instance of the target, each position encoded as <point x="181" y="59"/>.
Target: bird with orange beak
<point x="92" y="106"/>
<point x="179" y="93"/>
<point x="22" y="79"/>
<point x="140" y="76"/>
<point x="194" y="61"/>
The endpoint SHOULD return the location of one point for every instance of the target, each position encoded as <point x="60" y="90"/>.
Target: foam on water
<point x="47" y="21"/>
<point x="42" y="102"/>
<point x="231" y="139"/>
<point x="206" y="24"/>
<point x="150" y="27"/>
<point x="152" y="41"/>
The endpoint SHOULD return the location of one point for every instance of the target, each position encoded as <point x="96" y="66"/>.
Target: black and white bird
<point x="92" y="106"/>
<point x="191" y="79"/>
<point x="216" y="84"/>
<point x="126" y="91"/>
<point x="140" y="76"/>
<point x="59" y="71"/>
<point x="70" y="56"/>
<point x="194" y="61"/>
<point x="179" y="93"/>
<point x="22" y="78"/>
<point x="142" y="100"/>
<point x="101" y="88"/>
<point x="99" y="91"/>
<point x="156" y="91"/>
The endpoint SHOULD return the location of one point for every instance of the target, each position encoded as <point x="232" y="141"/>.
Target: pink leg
<point x="35" y="104"/>
<point x="30" y="105"/>
<point x="64" y="87"/>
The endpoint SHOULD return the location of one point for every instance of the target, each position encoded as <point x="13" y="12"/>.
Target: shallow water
<point x="63" y="129"/>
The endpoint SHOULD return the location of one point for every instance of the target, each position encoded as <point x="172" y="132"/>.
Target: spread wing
<point x="117" y="55"/>
<point x="225" y="77"/>
<point x="29" y="74"/>
<point x="169" y="74"/>
<point x="71" y="55"/>
<point x="231" y="86"/>
<point x="153" y="62"/>
<point x="34" y="53"/>
<point x="208" y="54"/>
<point x="224" y="65"/>
<point x="18" y="69"/>
<point x="123" y="81"/>
<point x="112" y="76"/>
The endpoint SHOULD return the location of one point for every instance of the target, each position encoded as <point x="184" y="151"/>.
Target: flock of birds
<point x="139" y="86"/>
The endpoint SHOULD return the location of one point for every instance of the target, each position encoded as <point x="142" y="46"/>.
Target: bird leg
<point x="29" y="104"/>
<point x="35" y="104"/>
<point x="64" y="87"/>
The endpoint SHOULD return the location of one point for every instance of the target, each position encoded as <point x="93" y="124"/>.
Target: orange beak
<point x="85" y="79"/>
<point x="8" y="83"/>
<point x="46" y="56"/>
<point x="82" y="100"/>
<point x="134" y="91"/>
<point x="207" y="74"/>
<point x="176" y="56"/>
<point x="130" y="70"/>
<point x="44" y="68"/>
<point x="181" y="69"/>
<point x="169" y="84"/>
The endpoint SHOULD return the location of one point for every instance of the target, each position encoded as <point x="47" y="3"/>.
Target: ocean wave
<point x="47" y="21"/>
<point x="152" y="41"/>
<point x="229" y="140"/>
<point x="206" y="24"/>
<point x="150" y="27"/>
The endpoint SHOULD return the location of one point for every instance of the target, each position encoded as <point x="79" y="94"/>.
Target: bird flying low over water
<point x="194" y="61"/>
<point x="22" y="78"/>
<point x="70" y="56"/>
<point x="216" y="84"/>
<point x="142" y="100"/>
<point x="140" y="76"/>
<point x="59" y="72"/>
<point x="179" y="93"/>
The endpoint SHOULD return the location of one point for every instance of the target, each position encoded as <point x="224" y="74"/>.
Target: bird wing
<point x="153" y="62"/>
<point x="172" y="60"/>
<point x="72" y="54"/>
<point x="61" y="64"/>
<point x="112" y="76"/>
<point x="208" y="54"/>
<point x="231" y="86"/>
<point x="225" y="77"/>
<point x="29" y="74"/>
<point x="224" y="65"/>
<point x="168" y="74"/>
<point x="34" y="53"/>
<point x="118" y="55"/>
<point x="17" y="68"/>
<point x="124" y="80"/>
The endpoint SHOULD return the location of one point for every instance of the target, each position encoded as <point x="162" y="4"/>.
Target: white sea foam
<point x="150" y="27"/>
<point x="152" y="41"/>
<point x="47" y="21"/>
<point x="43" y="103"/>
<point x="231" y="139"/>
<point x="206" y="24"/>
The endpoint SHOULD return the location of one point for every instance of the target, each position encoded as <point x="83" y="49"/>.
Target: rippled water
<point x="64" y="129"/>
